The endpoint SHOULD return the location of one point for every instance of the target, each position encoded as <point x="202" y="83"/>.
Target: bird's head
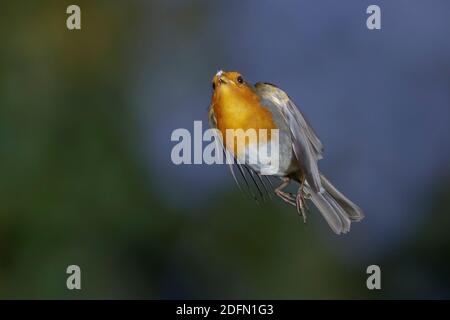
<point x="232" y="82"/>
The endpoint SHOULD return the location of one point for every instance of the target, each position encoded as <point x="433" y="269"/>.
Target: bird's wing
<point x="257" y="186"/>
<point x="306" y="145"/>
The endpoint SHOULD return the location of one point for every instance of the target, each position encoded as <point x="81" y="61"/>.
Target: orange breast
<point x="241" y="110"/>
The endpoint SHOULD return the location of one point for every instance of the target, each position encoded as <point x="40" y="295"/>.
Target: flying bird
<point x="236" y="104"/>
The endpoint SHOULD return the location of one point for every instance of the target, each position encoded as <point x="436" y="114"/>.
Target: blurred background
<point x="86" y="176"/>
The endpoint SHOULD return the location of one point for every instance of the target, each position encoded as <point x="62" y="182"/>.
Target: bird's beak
<point x="221" y="79"/>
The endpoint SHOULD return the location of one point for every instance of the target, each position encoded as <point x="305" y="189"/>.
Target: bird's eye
<point x="214" y="86"/>
<point x="240" y="80"/>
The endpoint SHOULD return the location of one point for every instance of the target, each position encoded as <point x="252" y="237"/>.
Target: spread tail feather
<point x="337" y="209"/>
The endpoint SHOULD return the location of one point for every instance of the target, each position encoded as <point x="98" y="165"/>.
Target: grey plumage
<point x="305" y="143"/>
<point x="337" y="209"/>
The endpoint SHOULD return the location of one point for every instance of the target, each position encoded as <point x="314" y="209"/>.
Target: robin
<point x="236" y="104"/>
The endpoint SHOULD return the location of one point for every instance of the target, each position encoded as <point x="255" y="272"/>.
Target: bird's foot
<point x="286" y="197"/>
<point x="301" y="205"/>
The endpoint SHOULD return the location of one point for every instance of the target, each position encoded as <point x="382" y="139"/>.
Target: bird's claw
<point x="301" y="205"/>
<point x="306" y="196"/>
<point x="285" y="196"/>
